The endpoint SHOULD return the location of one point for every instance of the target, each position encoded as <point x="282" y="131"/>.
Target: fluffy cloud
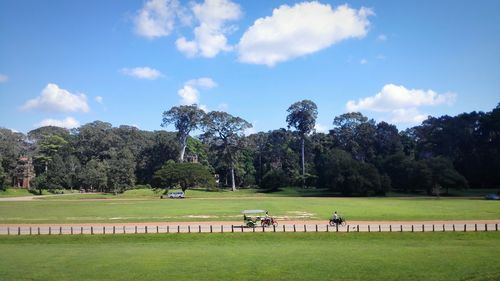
<point x="3" y="78"/>
<point x="99" y="99"/>
<point x="320" y="128"/>
<point x="142" y="72"/>
<point x="204" y="82"/>
<point x="55" y="99"/>
<point x="401" y="102"/>
<point x="302" y="29"/>
<point x="157" y="18"/>
<point x="190" y="94"/>
<point x="68" y="122"/>
<point x="210" y="35"/>
<point x="396" y="97"/>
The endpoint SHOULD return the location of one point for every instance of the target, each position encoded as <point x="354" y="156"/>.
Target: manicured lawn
<point x="249" y="256"/>
<point x="135" y="209"/>
<point x="14" y="192"/>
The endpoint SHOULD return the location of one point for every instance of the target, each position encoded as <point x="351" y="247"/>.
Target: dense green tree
<point x="186" y="175"/>
<point x="224" y="132"/>
<point x="93" y="175"/>
<point x="185" y="118"/>
<point x="120" y="172"/>
<point x="302" y="116"/>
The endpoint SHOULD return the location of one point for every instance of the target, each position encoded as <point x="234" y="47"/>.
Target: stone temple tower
<point x="25" y="172"/>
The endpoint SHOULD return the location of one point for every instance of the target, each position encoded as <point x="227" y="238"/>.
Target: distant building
<point x="25" y="172"/>
<point x="192" y="158"/>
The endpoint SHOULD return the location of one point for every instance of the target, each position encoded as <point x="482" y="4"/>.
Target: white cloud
<point x="303" y="29"/>
<point x="204" y="82"/>
<point x="223" y="107"/>
<point x="55" y="99"/>
<point x="142" y="72"/>
<point x="401" y="103"/>
<point x="99" y="99"/>
<point x="68" y="122"/>
<point x="157" y="18"/>
<point x="382" y="38"/>
<point x="410" y="115"/>
<point x="189" y="95"/>
<point x="3" y="78"/>
<point x="320" y="128"/>
<point x="396" y="97"/>
<point x="363" y="61"/>
<point x="251" y="130"/>
<point x="210" y="35"/>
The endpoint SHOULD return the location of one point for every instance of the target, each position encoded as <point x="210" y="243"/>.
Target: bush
<point x="274" y="179"/>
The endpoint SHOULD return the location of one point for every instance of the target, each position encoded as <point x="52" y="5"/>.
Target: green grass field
<point x="225" y="206"/>
<point x="250" y="256"/>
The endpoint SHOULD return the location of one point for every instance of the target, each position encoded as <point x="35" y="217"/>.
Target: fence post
<point x="221" y="229"/>
<point x="92" y="230"/>
<point x="18" y="230"/>
<point x="103" y="230"/>
<point x="485" y="227"/>
<point x="305" y="228"/>
<point x="189" y="229"/>
<point x="146" y="229"/>
<point x="443" y="227"/>
<point x="253" y="229"/>
<point x="241" y="229"/>
<point x="71" y="230"/>
<point x="327" y="228"/>
<point x="401" y="229"/>
<point x="284" y="229"/>
<point x="432" y="227"/>
<point x="232" y="228"/>
<point x="124" y="231"/>
<point x="157" y="229"/>
<point x="50" y="230"/>
<point x="336" y="227"/>
<point x="178" y="228"/>
<point x="136" y="229"/>
<point x="114" y="229"/>
<point x="390" y="227"/>
<point x="81" y="230"/>
<point x="423" y="228"/>
<point x="368" y="228"/>
<point x="38" y="230"/>
<point x="274" y="228"/>
<point x="357" y="228"/>
<point x="412" y="228"/>
<point x="168" y="228"/>
<point x="465" y="227"/>
<point x="316" y="228"/>
<point x="379" y="228"/>
<point x="496" y="226"/>
<point x="347" y="228"/>
<point x="475" y="227"/>
<point x="210" y="228"/>
<point x="294" y="228"/>
<point x="72" y="233"/>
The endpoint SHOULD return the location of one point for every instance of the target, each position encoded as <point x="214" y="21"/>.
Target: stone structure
<point x="25" y="172"/>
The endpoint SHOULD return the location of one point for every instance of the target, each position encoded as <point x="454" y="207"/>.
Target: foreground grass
<point x="207" y="209"/>
<point x="14" y="192"/>
<point x="271" y="256"/>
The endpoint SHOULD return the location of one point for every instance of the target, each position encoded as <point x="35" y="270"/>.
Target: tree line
<point x="357" y="157"/>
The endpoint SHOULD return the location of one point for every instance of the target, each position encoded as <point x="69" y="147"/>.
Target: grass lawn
<point x="253" y="256"/>
<point x="14" y="192"/>
<point x="227" y="206"/>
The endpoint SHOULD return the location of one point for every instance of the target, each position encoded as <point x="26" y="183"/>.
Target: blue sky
<point x="125" y="62"/>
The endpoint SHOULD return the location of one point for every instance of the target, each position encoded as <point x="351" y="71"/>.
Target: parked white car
<point x="174" y="194"/>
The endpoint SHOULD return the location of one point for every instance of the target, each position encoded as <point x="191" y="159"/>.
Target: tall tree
<point x="224" y="131"/>
<point x="302" y="116"/>
<point x="185" y="119"/>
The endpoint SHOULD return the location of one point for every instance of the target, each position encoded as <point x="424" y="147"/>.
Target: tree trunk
<point x="183" y="149"/>
<point x="303" y="168"/>
<point x="233" y="186"/>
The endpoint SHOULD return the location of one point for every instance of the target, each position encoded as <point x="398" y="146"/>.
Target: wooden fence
<point x="145" y="229"/>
